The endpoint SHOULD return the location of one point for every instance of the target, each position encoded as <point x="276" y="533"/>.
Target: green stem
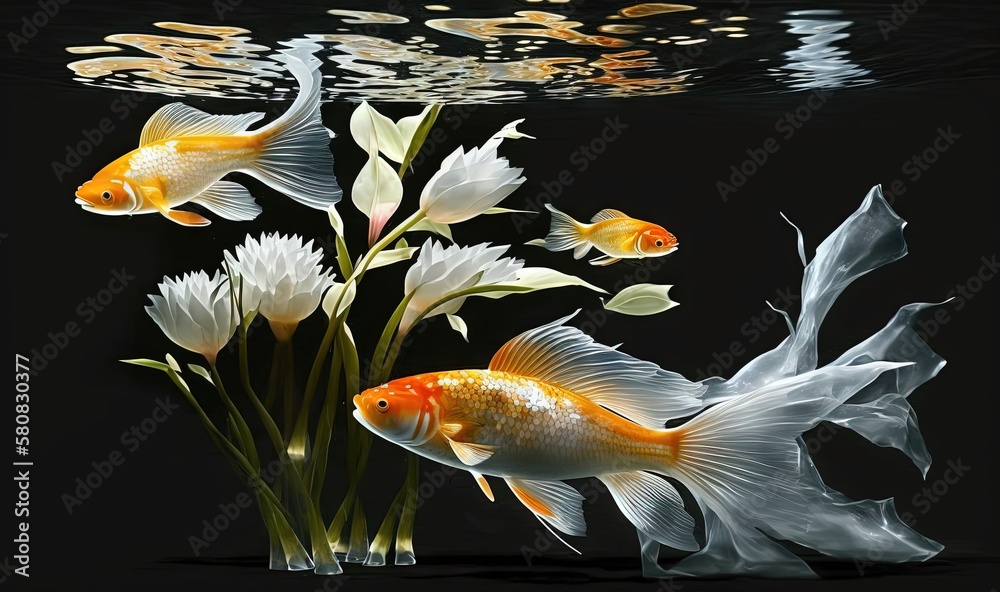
<point x="383" y="538"/>
<point x="316" y="467"/>
<point x="378" y="358"/>
<point x="277" y="358"/>
<point x="288" y="394"/>
<point x="404" y="535"/>
<point x="326" y="562"/>
<point x="242" y="429"/>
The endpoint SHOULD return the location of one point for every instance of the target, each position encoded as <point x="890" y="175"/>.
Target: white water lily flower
<point x="469" y="183"/>
<point x="439" y="272"/>
<point x="195" y="311"/>
<point x="283" y="277"/>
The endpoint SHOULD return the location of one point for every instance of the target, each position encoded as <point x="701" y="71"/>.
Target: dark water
<point x="839" y="97"/>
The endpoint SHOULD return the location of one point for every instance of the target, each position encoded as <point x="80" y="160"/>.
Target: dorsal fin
<point x="178" y="120"/>
<point x="608" y="214"/>
<point x="569" y="358"/>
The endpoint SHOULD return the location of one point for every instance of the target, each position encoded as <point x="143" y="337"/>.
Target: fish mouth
<point x="357" y="401"/>
<point x="86" y="205"/>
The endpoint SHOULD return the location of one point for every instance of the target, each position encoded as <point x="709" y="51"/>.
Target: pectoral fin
<point x="469" y="453"/>
<point x="230" y="200"/>
<point x="154" y="196"/>
<point x="553" y="503"/>
<point x="606" y="260"/>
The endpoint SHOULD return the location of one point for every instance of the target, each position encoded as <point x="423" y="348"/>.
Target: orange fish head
<point x="656" y="241"/>
<point x="403" y="411"/>
<point x="111" y="196"/>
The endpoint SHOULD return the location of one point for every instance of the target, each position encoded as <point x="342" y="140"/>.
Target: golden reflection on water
<point x="531" y="54"/>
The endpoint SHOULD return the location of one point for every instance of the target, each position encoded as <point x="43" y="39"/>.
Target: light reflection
<point x="818" y="62"/>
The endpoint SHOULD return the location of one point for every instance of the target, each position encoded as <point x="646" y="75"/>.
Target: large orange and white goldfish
<point x="555" y="405"/>
<point x="614" y="233"/>
<point x="183" y="154"/>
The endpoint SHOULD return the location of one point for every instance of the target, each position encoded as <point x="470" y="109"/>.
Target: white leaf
<point x="391" y="256"/>
<point x="331" y="298"/>
<point x="377" y="192"/>
<point x="641" y="299"/>
<point x="459" y="325"/>
<point x="408" y="126"/>
<point x="173" y="364"/>
<point x="335" y="220"/>
<point x="507" y="211"/>
<point x="201" y="371"/>
<point x="429" y="225"/>
<point x="375" y="133"/>
<point x="543" y="278"/>
<point x="147" y="363"/>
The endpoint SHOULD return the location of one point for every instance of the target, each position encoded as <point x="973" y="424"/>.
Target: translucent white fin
<point x="553" y="502"/>
<point x="653" y="505"/>
<point x="295" y="158"/>
<point x="741" y="457"/>
<point x="608" y="214"/>
<point x="177" y="120"/>
<point x="230" y="200"/>
<point x="471" y="454"/>
<point x="581" y="250"/>
<point x="567" y="357"/>
<point x="606" y="260"/>
<point x="565" y="233"/>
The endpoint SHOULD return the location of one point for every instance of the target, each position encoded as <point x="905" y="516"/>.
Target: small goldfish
<point x="183" y="154"/>
<point x="555" y="405"/>
<point x="614" y="233"/>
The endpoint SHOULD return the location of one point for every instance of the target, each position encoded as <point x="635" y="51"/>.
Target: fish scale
<point x="611" y="234"/>
<point x="185" y="167"/>
<point x="536" y="426"/>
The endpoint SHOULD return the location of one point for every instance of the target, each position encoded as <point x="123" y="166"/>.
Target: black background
<point x="734" y="255"/>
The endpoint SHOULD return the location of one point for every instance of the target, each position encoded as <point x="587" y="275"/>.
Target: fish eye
<point x="659" y="242"/>
<point x="106" y="195"/>
<point x="382" y="405"/>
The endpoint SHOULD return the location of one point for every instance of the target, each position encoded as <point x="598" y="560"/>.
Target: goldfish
<point x="553" y="405"/>
<point x="183" y="154"/>
<point x="614" y="233"/>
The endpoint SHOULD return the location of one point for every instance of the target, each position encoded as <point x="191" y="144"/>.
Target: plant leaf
<point x="459" y="325"/>
<point x="391" y="256"/>
<point x="173" y="364"/>
<point x="376" y="133"/>
<point x="414" y="130"/>
<point x="335" y="220"/>
<point x="154" y="364"/>
<point x="330" y="298"/>
<point x="377" y="193"/>
<point x="496" y="210"/>
<point x="641" y="300"/>
<point x="429" y="225"/>
<point x="541" y="278"/>
<point x="201" y="371"/>
<point x="401" y="244"/>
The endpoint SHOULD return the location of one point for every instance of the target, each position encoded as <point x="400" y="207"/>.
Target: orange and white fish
<point x="555" y="405"/>
<point x="183" y="154"/>
<point x="614" y="233"/>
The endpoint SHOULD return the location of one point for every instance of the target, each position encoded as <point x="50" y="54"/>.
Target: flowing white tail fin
<point x="295" y="158"/>
<point x="565" y="233"/>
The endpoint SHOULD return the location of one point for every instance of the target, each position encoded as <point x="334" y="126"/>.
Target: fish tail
<point x="295" y="156"/>
<point x="565" y="233"/>
<point x="745" y="462"/>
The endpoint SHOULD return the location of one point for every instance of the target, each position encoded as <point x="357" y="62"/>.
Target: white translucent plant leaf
<point x="511" y="132"/>
<point x="201" y="371"/>
<point x="542" y="278"/>
<point x="375" y="132"/>
<point x="408" y="126"/>
<point x="330" y="299"/>
<point x="498" y="210"/>
<point x="459" y="325"/>
<point x="335" y="220"/>
<point x="429" y="225"/>
<point x="377" y="192"/>
<point x="173" y="364"/>
<point x="401" y="244"/>
<point x="800" y="243"/>
<point x="641" y="299"/>
<point x="391" y="256"/>
<point x="146" y="362"/>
